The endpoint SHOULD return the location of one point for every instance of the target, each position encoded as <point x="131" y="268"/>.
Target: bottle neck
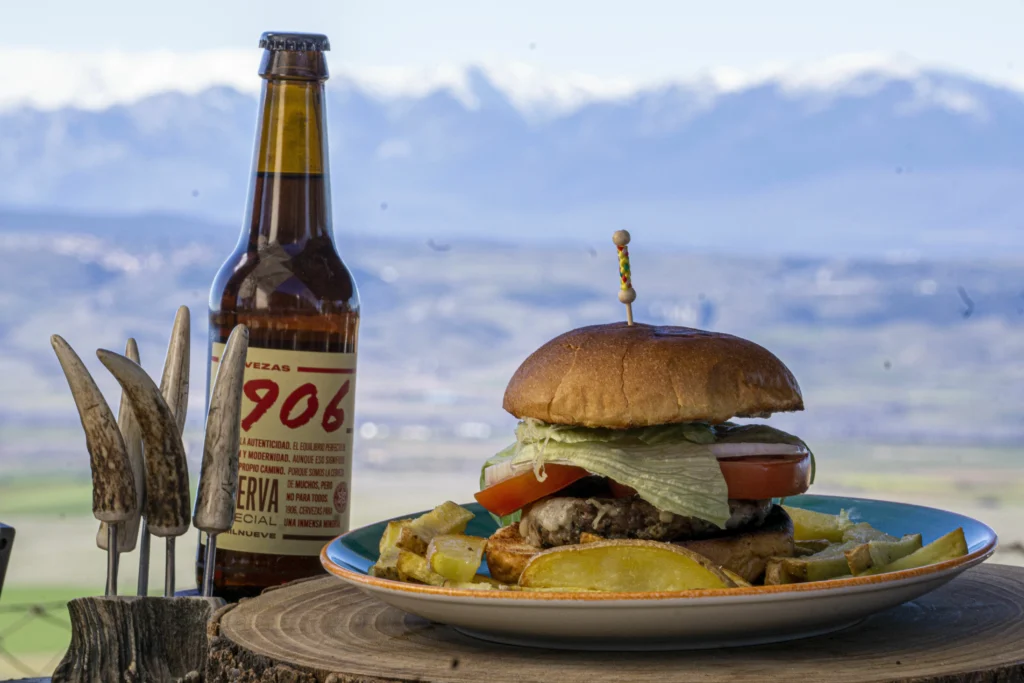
<point x="289" y="193"/>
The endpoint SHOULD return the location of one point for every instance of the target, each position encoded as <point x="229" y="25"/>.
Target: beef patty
<point x="560" y="520"/>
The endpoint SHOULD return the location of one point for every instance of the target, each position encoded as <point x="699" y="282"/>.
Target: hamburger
<point x="626" y="432"/>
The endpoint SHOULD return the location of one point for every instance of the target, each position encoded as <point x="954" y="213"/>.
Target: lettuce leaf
<point x="535" y="431"/>
<point x="680" y="477"/>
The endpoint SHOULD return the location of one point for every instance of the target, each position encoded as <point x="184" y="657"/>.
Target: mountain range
<point x="875" y="162"/>
<point x="862" y="223"/>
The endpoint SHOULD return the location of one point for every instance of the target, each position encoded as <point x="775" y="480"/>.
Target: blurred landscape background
<point x="858" y="214"/>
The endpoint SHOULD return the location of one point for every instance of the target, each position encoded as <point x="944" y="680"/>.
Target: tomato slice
<point x="621" y="490"/>
<point x="750" y="478"/>
<point x="513" y="493"/>
<point x="754" y="478"/>
<point x="766" y="476"/>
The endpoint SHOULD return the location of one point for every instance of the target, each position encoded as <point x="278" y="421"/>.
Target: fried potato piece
<point x="879" y="553"/>
<point x="865" y="533"/>
<point x="473" y="586"/>
<point x="827" y="564"/>
<point x="480" y="582"/>
<point x="808" y="524"/>
<point x="412" y="567"/>
<point x="812" y="545"/>
<point x="736" y="578"/>
<point x="407" y="539"/>
<point x="745" y="551"/>
<point x="508" y="553"/>
<point x="386" y="567"/>
<point x="389" y="539"/>
<point x="948" y="547"/>
<point x="446" y="518"/>
<point x="775" y="573"/>
<point x="626" y="566"/>
<point x="456" y="557"/>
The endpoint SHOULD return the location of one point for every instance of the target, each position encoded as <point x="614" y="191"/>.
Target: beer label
<point x="295" y="457"/>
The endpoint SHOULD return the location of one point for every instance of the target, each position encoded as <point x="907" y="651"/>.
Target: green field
<point x="34" y="630"/>
<point x="45" y="496"/>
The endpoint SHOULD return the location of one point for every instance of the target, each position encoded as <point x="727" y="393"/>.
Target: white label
<point x="295" y="458"/>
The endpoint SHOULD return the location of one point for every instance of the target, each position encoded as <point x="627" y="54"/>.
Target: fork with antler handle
<point x="159" y="414"/>
<point x="114" y="499"/>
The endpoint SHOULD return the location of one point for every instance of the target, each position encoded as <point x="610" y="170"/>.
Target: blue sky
<point x="635" y="39"/>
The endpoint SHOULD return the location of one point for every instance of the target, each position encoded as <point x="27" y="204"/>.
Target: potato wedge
<point x="736" y="578"/>
<point x="813" y="545"/>
<point x="947" y="547"/>
<point x="507" y="554"/>
<point x="827" y="564"/>
<point x="481" y="578"/>
<point x="407" y="539"/>
<point x="878" y="553"/>
<point x="811" y="525"/>
<point x="456" y="557"/>
<point x="472" y="586"/>
<point x="389" y="539"/>
<point x="480" y="582"/>
<point x="413" y="567"/>
<point x="626" y="566"/>
<point x="865" y="533"/>
<point x="775" y="573"/>
<point x="386" y="566"/>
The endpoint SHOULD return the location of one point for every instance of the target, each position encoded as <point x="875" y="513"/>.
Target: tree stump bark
<point x="323" y="631"/>
<point x="137" y="640"/>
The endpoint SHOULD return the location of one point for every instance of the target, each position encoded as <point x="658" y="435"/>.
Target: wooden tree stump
<point x="323" y="631"/>
<point x="136" y="640"/>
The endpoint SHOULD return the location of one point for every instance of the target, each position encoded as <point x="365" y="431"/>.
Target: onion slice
<point x="723" y="451"/>
<point x="500" y="471"/>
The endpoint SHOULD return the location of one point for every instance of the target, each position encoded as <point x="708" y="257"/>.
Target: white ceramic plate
<point x="677" y="620"/>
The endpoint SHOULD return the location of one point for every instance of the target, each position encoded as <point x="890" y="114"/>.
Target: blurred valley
<point x="911" y="352"/>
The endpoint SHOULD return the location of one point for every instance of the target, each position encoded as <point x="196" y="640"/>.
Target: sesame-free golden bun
<point x="621" y="376"/>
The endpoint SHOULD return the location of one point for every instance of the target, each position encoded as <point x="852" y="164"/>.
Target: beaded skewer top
<point x="627" y="294"/>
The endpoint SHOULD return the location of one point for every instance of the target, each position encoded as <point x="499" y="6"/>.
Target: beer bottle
<point x="286" y="281"/>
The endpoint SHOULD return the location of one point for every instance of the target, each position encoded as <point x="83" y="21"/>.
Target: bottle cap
<point x="298" y="42"/>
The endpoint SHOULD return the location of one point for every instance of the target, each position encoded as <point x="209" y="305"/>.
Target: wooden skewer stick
<point x="627" y="294"/>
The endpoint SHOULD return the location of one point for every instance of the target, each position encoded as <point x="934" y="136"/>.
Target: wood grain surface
<point x="136" y="639"/>
<point x="323" y="631"/>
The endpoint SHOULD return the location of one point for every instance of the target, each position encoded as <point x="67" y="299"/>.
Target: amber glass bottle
<point x="287" y="282"/>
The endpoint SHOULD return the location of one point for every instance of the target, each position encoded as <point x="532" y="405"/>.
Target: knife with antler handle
<point x="113" y="482"/>
<point x="167" y="494"/>
<point x="174" y="381"/>
<point x="174" y="388"/>
<point x="128" y="531"/>
<point x="218" y="478"/>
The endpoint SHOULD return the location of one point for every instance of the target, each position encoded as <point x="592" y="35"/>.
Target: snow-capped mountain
<point x="858" y="156"/>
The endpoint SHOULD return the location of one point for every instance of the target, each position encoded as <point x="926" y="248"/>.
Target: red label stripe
<point x="327" y="371"/>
